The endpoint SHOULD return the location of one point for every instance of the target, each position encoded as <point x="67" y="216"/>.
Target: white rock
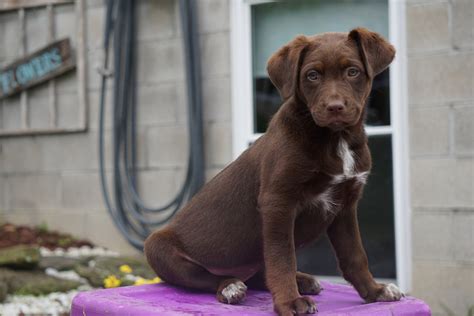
<point x="58" y="252"/>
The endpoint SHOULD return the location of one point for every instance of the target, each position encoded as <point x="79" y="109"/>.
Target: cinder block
<point x="36" y="24"/>
<point x="428" y="27"/>
<point x="463" y="23"/>
<point x="160" y="61"/>
<point x="81" y="191"/>
<point x="462" y="239"/>
<point x="441" y="78"/>
<point x="182" y="102"/>
<point x="74" y="152"/>
<point x="450" y="235"/>
<point x="447" y="284"/>
<point x="218" y="144"/>
<point x="20" y="217"/>
<point x="438" y="226"/>
<point x="216" y="99"/>
<point x="33" y="191"/>
<point x="167" y="146"/>
<point x="156" y="104"/>
<point x="423" y="119"/>
<point x="464" y="130"/>
<point x="213" y="15"/>
<point x="444" y="183"/>
<point x="157" y="20"/>
<point x="158" y="187"/>
<point x="71" y="223"/>
<point x="215" y="54"/>
<point x="20" y="155"/>
<point x="100" y="228"/>
<point x="69" y="152"/>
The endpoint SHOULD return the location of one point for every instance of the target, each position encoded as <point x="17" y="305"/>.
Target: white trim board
<point x="243" y="120"/>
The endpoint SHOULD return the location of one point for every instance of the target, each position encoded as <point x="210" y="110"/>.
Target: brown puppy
<point x="302" y="179"/>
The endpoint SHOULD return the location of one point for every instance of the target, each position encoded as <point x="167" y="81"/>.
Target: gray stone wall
<point x="441" y="113"/>
<point x="54" y="179"/>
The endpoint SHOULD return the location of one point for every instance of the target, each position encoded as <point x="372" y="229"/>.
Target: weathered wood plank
<point x="81" y="62"/>
<point x="40" y="131"/>
<point x="7" y="5"/>
<point x="52" y="83"/>
<point x="24" y="96"/>
<point x="40" y="66"/>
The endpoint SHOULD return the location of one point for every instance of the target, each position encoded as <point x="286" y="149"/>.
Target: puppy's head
<point x="331" y="73"/>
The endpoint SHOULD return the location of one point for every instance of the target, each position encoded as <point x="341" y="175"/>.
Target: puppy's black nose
<point x="335" y="107"/>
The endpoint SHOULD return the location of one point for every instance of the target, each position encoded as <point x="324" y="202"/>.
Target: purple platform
<point x="162" y="299"/>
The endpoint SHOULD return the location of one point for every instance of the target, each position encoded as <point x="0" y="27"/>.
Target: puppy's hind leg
<point x="307" y="284"/>
<point x="165" y="256"/>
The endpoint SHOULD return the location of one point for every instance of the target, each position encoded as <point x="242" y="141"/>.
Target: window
<point x="258" y="29"/>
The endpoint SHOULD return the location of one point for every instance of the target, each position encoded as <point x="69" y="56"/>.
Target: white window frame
<point x="243" y="117"/>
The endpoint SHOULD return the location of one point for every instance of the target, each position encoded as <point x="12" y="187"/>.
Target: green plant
<point x="63" y="242"/>
<point x="42" y="228"/>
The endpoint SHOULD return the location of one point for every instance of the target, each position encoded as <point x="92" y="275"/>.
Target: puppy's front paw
<point x="308" y="284"/>
<point x="300" y="305"/>
<point x="390" y="292"/>
<point x="233" y="293"/>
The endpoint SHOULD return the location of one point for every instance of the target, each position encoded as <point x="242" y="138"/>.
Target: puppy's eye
<point x="313" y="75"/>
<point x="353" y="72"/>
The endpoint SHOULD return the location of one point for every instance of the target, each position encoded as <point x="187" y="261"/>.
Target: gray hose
<point x="130" y="213"/>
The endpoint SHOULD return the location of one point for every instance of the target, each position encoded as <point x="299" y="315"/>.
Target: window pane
<point x="376" y="221"/>
<point x="276" y="23"/>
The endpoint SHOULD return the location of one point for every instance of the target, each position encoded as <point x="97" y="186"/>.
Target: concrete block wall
<point x="55" y="180"/>
<point x="441" y="112"/>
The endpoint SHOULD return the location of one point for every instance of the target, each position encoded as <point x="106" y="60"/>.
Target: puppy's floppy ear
<point x="284" y="65"/>
<point x="375" y="51"/>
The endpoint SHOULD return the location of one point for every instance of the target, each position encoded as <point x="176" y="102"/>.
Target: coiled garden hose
<point x="133" y="217"/>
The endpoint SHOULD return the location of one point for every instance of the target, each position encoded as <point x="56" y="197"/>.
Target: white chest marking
<point x="348" y="164"/>
<point x="347" y="157"/>
<point x="325" y="200"/>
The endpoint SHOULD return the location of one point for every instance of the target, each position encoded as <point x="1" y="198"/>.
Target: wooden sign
<point x="6" y="5"/>
<point x="31" y="70"/>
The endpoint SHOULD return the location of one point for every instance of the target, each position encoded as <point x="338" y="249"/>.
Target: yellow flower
<point x="141" y="281"/>
<point x="111" y="281"/>
<point x="125" y="268"/>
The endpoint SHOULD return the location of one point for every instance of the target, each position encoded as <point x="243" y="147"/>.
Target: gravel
<point x="83" y="251"/>
<point x="53" y="304"/>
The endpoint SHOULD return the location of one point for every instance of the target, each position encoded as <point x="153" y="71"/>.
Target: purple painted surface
<point x="162" y="299"/>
